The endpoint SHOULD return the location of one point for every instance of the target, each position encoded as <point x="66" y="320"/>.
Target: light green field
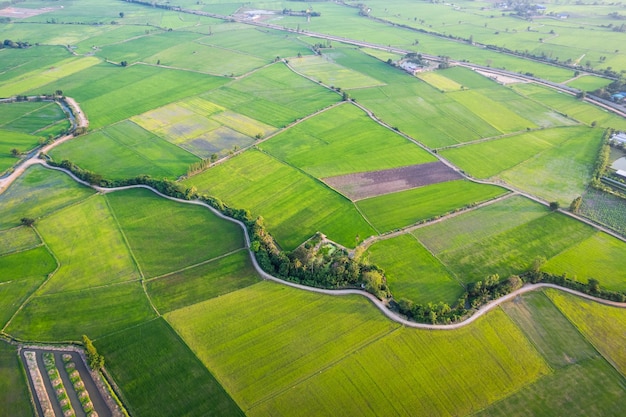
<point x="166" y="236"/>
<point x="486" y="159"/>
<point x="284" y="197"/>
<point x="346" y="130"/>
<point x="10" y="140"/>
<point x="393" y="211"/>
<point x="600" y="256"/>
<point x="563" y="172"/>
<point x="414" y="273"/>
<point x="18" y="239"/>
<point x="440" y="82"/>
<point x="69" y="315"/>
<point x="257" y="362"/>
<point x="38" y="80"/>
<point x="37" y="192"/>
<point x="589" y="83"/>
<point x="274" y="95"/>
<point x="483" y="223"/>
<point x="88" y="243"/>
<point x="14" y="293"/>
<point x="249" y="337"/>
<point x="177" y="383"/>
<point x="14" y="393"/>
<point x="213" y="279"/>
<point x="125" y="150"/>
<point x="323" y="68"/>
<point x="109" y="94"/>
<point x="30" y="117"/>
<point x="16" y="62"/>
<point x="202" y="127"/>
<point x="510" y="252"/>
<point x="603" y="326"/>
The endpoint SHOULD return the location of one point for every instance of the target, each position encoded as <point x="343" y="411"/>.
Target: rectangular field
<point x="364" y="145"/>
<point x="440" y="81"/>
<point x="89" y="245"/>
<point x="284" y="197"/>
<point x="154" y="226"/>
<point x="18" y="239"/>
<point x="160" y="376"/>
<point x="324" y="68"/>
<point x="14" y="394"/>
<point x="125" y="150"/>
<point x="414" y="273"/>
<point x="404" y="208"/>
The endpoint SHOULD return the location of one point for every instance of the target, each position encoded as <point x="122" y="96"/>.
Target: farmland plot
<point x="284" y="197"/>
<point x="14" y="394"/>
<point x="177" y="383"/>
<point x="323" y="68"/>
<point x="38" y="192"/>
<point x="605" y="209"/>
<point x="18" y="239"/>
<point x="154" y="226"/>
<point x="10" y="140"/>
<point x="414" y="273"/>
<point x="125" y="150"/>
<point x="346" y="130"/>
<point x="392" y="211"/>
<point x="29" y="117"/>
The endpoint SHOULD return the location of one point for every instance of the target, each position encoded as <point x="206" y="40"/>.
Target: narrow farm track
<point x="378" y="303"/>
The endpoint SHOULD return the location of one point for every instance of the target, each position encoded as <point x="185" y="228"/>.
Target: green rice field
<point x="187" y="388"/>
<point x="18" y="239"/>
<point x="404" y="208"/>
<point x="414" y="273"/>
<point x="314" y="144"/>
<point x="324" y="69"/>
<point x="13" y="391"/>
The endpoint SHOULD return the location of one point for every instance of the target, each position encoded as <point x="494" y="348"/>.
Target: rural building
<point x="411" y="67"/>
<point x="621" y="173"/>
<point x="619" y="137"/>
<point x="619" y="97"/>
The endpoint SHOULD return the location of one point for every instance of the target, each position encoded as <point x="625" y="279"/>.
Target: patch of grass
<point x="486" y="159"/>
<point x="563" y="172"/>
<point x="89" y="245"/>
<point x="13" y="294"/>
<point x="404" y="208"/>
<point x="284" y="197"/>
<point x="10" y="140"/>
<point x="200" y="283"/>
<point x="414" y="273"/>
<point x="589" y="83"/>
<point x="324" y="68"/>
<point x="364" y="145"/>
<point x="512" y="251"/>
<point x="252" y="338"/>
<point x="69" y="315"/>
<point x="14" y="394"/>
<point x="605" y="209"/>
<point x="273" y="95"/>
<point x="125" y="150"/>
<point x="38" y="192"/>
<point x="491" y="220"/>
<point x="18" y="239"/>
<point x="29" y="117"/>
<point x="166" y="236"/>
<point x="600" y="256"/>
<point x="440" y="81"/>
<point x="558" y="341"/>
<point x="35" y="262"/>
<point x="160" y="376"/>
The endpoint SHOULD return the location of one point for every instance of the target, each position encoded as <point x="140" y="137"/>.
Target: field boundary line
<point x="21" y="250"/>
<point x="445" y="266"/>
<point x="208" y="261"/>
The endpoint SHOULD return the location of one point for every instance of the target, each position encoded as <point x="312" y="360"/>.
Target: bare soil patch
<point x="21" y="13"/>
<point x="370" y="184"/>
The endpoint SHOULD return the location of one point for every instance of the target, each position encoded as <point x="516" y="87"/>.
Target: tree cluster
<point x="95" y="360"/>
<point x="8" y="43"/>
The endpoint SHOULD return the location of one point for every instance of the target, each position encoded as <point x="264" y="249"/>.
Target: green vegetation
<point x="440" y="82"/>
<point x="414" y="273"/>
<point x="324" y="69"/>
<point x="160" y="376"/>
<point x="202" y="282"/>
<point x="89" y="245"/>
<point x="38" y="192"/>
<point x="166" y="236"/>
<point x="68" y="315"/>
<point x="18" y="239"/>
<point x="252" y="341"/>
<point x="314" y="144"/>
<point x="283" y="196"/>
<point x="13" y="389"/>
<point x="393" y="211"/>
<point x="95" y="360"/>
<point x="589" y="83"/>
<point x="125" y="150"/>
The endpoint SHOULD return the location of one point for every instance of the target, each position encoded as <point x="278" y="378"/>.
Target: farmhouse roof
<point x="621" y="173"/>
<point x="619" y="137"/>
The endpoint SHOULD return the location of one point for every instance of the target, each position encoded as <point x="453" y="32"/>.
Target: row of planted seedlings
<point x="79" y="386"/>
<point x="57" y="384"/>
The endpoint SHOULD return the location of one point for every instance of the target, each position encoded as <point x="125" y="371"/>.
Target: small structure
<point x="621" y="173"/>
<point x="619" y="137"/>
<point x="619" y="97"/>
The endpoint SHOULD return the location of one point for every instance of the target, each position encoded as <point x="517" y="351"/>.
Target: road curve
<point x="378" y="303"/>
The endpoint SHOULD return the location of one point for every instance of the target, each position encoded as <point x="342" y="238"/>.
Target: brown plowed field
<point x="370" y="184"/>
